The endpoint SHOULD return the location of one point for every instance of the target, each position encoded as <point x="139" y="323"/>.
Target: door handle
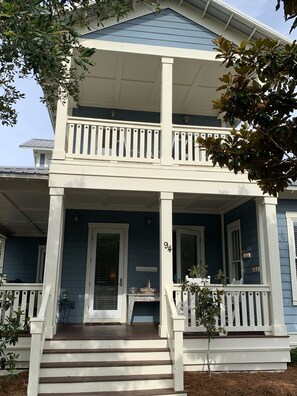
<point x="121" y="282"/>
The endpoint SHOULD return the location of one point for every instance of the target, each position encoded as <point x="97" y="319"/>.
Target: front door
<point x="106" y="273"/>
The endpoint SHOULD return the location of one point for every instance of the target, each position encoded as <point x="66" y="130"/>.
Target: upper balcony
<point x="142" y="108"/>
<point x="110" y="140"/>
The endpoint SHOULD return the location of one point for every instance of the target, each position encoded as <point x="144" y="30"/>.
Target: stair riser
<point x="105" y="344"/>
<point x="105" y="357"/>
<point x="103" y="371"/>
<point x="105" y="386"/>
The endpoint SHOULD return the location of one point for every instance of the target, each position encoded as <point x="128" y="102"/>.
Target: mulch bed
<point x="199" y="384"/>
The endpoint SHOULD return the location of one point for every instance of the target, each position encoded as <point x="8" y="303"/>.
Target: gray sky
<point x="34" y="120"/>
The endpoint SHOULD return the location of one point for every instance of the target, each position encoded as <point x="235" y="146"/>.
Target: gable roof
<point x="212" y="15"/>
<point x="167" y="28"/>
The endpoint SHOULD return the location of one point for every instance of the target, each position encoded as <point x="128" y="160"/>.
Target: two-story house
<point x="134" y="202"/>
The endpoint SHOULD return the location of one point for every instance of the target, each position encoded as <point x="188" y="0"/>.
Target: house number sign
<point x="167" y="247"/>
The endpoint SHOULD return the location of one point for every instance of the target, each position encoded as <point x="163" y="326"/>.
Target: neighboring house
<point x="134" y="201"/>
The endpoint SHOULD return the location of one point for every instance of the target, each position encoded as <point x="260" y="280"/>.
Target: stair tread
<point x="148" y="392"/>
<point x="104" y="350"/>
<point x="75" y="379"/>
<point x="106" y="364"/>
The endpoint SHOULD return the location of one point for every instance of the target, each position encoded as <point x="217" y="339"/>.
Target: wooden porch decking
<point x="139" y="331"/>
<point x="136" y="331"/>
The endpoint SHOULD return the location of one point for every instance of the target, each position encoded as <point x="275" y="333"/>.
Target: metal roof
<point x="23" y="171"/>
<point x="46" y="144"/>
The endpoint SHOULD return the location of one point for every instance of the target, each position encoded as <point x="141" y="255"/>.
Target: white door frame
<point x="123" y="229"/>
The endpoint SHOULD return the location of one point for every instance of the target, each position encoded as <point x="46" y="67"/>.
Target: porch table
<point x="139" y="297"/>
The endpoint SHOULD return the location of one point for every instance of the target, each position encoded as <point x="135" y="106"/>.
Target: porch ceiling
<point x="132" y="82"/>
<point x="24" y="205"/>
<point x="149" y="201"/>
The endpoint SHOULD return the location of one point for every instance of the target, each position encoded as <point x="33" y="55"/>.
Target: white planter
<point x="198" y="281"/>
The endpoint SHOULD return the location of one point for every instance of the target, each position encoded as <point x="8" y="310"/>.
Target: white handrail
<point x="38" y="333"/>
<point x="175" y="330"/>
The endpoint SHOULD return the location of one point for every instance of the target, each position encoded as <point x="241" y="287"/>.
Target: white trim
<point x="40" y="263"/>
<point x="107" y="226"/>
<point x="3" y="243"/>
<point x="291" y="219"/>
<point x="141" y="49"/>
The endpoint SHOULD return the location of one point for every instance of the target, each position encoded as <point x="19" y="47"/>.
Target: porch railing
<point x="175" y="330"/>
<point x="244" y="308"/>
<point x="110" y="140"/>
<point x="23" y="296"/>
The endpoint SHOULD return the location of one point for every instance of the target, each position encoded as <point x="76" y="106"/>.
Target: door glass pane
<point x="107" y="272"/>
<point x="188" y="248"/>
<point x="236" y="255"/>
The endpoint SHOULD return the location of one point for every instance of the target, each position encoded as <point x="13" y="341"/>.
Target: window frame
<point x="292" y="244"/>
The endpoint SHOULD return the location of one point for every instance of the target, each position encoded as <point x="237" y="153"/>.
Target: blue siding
<point x="290" y="310"/>
<point x="143" y="116"/>
<point x="20" y="259"/>
<point x="246" y="213"/>
<point x="143" y="250"/>
<point x="167" y="28"/>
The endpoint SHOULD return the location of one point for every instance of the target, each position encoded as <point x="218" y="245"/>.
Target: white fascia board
<point x="142" y="49"/>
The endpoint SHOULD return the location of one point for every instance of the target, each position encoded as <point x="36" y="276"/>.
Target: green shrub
<point x="294" y="355"/>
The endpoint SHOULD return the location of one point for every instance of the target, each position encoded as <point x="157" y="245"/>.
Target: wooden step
<point x="65" y="385"/>
<point x="104" y="344"/>
<point x="78" y="355"/>
<point x="149" y="392"/>
<point x="57" y="369"/>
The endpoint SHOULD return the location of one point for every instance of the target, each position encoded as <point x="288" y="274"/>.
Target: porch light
<point x="148" y="220"/>
<point x="186" y="119"/>
<point x="113" y="113"/>
<point x="76" y="218"/>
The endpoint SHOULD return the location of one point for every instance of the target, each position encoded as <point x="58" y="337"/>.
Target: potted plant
<point x="198" y="275"/>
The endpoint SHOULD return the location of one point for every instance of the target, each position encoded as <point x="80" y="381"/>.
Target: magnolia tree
<point x="259" y="90"/>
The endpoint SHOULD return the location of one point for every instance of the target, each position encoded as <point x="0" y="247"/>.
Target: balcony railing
<point x="137" y="142"/>
<point x="244" y="308"/>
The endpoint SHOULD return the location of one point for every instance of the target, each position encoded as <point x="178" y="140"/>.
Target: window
<point x="292" y="240"/>
<point x="234" y="251"/>
<point x="188" y="250"/>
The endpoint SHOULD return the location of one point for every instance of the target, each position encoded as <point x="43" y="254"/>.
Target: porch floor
<point x="138" y="331"/>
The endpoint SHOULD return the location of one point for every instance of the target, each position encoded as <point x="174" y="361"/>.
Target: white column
<point x="166" y="111"/>
<point x="53" y="258"/>
<point x="60" y="130"/>
<point x="270" y="261"/>
<point x="166" y="273"/>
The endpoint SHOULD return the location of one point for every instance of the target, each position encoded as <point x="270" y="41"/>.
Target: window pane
<point x="107" y="272"/>
<point x="188" y="246"/>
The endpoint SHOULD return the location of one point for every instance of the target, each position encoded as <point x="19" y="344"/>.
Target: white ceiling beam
<point x="181" y="2"/>
<point x="228" y="22"/>
<point x="253" y="32"/>
<point x="118" y="80"/>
